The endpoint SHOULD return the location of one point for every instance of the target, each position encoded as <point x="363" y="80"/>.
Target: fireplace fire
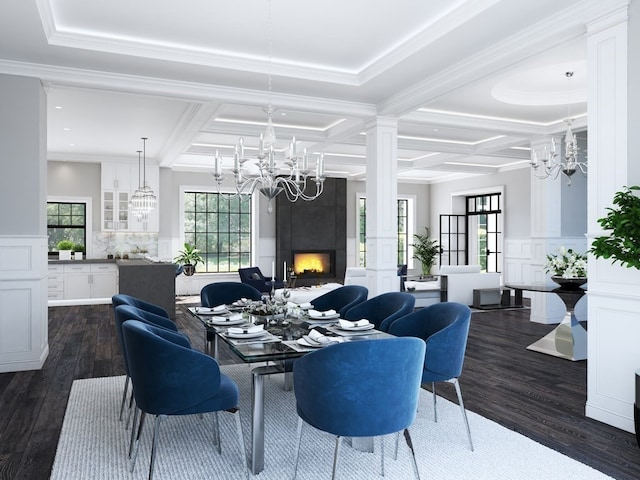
<point x="313" y="263"/>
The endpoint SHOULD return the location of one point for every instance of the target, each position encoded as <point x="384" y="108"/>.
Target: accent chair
<point x="367" y="388"/>
<point x="383" y="309"/>
<point x="444" y="327"/>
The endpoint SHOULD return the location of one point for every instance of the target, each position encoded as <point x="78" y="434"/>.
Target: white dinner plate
<point x="209" y="311"/>
<point x="247" y="335"/>
<point x="368" y="326"/>
<point x="220" y="321"/>
<point x="324" y="317"/>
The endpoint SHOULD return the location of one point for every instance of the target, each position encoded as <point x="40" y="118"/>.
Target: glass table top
<point x="284" y="332"/>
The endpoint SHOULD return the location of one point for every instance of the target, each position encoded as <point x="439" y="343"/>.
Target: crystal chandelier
<point x="268" y="177"/>
<point x="549" y="165"/>
<point x="263" y="172"/>
<point x="143" y="199"/>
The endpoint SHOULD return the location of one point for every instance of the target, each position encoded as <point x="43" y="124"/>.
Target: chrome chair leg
<point x="236" y="414"/>
<point x="124" y="397"/>
<point x="395" y="455"/>
<point x="137" y="442"/>
<point x="462" y="409"/>
<point x="133" y="431"/>
<point x="382" y="455"/>
<point x="131" y="403"/>
<point x="216" y="433"/>
<point x="435" y="410"/>
<point x="154" y="443"/>
<point x="407" y="437"/>
<point x="297" y="454"/>
<point x="336" y="456"/>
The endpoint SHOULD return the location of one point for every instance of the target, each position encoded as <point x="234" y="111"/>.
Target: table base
<point x="568" y="340"/>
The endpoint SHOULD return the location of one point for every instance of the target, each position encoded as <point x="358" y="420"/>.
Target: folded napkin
<point x="359" y="323"/>
<point x="320" y="339"/>
<point x="246" y="330"/>
<point x="318" y="314"/>
<point x="233" y="317"/>
<point x="306" y="305"/>
<point x="219" y="308"/>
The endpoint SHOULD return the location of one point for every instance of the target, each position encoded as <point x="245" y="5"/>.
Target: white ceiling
<point x="193" y="76"/>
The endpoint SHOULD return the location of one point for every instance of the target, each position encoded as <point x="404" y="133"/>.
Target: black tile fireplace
<point x="312" y="236"/>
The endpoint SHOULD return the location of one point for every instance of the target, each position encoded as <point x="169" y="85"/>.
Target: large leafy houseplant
<point x="425" y="249"/>
<point x="623" y="221"/>
<point x="189" y="258"/>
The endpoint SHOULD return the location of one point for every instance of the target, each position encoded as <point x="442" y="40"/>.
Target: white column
<point x="382" y="193"/>
<point x="614" y="302"/>
<point x="23" y="241"/>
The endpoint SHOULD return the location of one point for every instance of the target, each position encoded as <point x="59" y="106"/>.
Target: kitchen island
<point x="154" y="282"/>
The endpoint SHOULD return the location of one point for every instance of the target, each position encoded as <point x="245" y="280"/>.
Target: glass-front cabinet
<point x="119" y="181"/>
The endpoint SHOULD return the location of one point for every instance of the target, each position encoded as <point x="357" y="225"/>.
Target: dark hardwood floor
<point x="537" y="395"/>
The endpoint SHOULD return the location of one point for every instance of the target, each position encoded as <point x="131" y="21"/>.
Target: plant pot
<point x="77" y="255"/>
<point x="189" y="270"/>
<point x="64" y="254"/>
<point x="569" y="283"/>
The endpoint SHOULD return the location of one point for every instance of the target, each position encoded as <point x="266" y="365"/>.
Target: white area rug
<point x="93" y="443"/>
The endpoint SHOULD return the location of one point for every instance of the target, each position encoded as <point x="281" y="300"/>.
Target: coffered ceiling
<point x="471" y="82"/>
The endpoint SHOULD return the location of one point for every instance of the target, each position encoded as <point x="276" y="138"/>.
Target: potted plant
<point x="425" y="249"/>
<point x="189" y="259"/>
<point x="623" y="220"/>
<point x="78" y="251"/>
<point x="64" y="249"/>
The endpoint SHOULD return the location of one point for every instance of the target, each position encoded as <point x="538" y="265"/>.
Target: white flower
<point x="566" y="264"/>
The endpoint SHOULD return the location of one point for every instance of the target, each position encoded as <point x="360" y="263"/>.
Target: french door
<point x="475" y="237"/>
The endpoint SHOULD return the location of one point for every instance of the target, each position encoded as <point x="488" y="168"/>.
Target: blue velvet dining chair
<point x="123" y="299"/>
<point x="341" y="299"/>
<point x="383" y="309"/>
<point x="253" y="276"/>
<point x="170" y="378"/>
<point x="364" y="388"/>
<point x="123" y="312"/>
<point x="224" y="293"/>
<point x="445" y="328"/>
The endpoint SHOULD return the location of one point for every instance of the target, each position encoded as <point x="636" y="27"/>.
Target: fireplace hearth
<point x="318" y="227"/>
<point x="313" y="264"/>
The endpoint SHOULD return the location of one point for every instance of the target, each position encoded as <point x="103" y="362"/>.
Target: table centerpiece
<point x="568" y="268"/>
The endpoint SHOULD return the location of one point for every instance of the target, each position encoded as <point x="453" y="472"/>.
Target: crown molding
<point x="175" y="89"/>
<point x="563" y="26"/>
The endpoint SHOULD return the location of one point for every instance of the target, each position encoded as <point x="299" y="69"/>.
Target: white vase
<point x="77" y="255"/>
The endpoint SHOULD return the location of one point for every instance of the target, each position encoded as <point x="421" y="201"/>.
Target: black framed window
<point x="220" y="227"/>
<point x="403" y="231"/>
<point x="66" y="221"/>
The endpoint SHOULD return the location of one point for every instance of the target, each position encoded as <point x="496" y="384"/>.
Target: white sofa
<point x="459" y="282"/>
<point x="355" y="276"/>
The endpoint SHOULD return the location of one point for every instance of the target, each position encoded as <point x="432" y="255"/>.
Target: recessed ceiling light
<point x="66" y="129"/>
<point x="58" y="107"/>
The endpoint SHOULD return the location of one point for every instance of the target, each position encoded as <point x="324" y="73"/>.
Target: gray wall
<point x="74" y="179"/>
<point x="516" y="201"/>
<point x="23" y="143"/>
<point x="421" y="192"/>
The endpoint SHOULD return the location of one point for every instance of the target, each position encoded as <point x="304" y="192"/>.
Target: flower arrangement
<point x="567" y="264"/>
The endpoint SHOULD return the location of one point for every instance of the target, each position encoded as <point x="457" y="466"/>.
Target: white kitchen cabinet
<point x="55" y="282"/>
<point x="119" y="181"/>
<point x="90" y="280"/>
<point x="116" y="187"/>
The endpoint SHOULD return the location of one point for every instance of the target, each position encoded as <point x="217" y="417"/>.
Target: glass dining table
<point x="276" y="350"/>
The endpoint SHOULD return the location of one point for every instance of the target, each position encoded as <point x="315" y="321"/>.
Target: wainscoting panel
<point x="23" y="303"/>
